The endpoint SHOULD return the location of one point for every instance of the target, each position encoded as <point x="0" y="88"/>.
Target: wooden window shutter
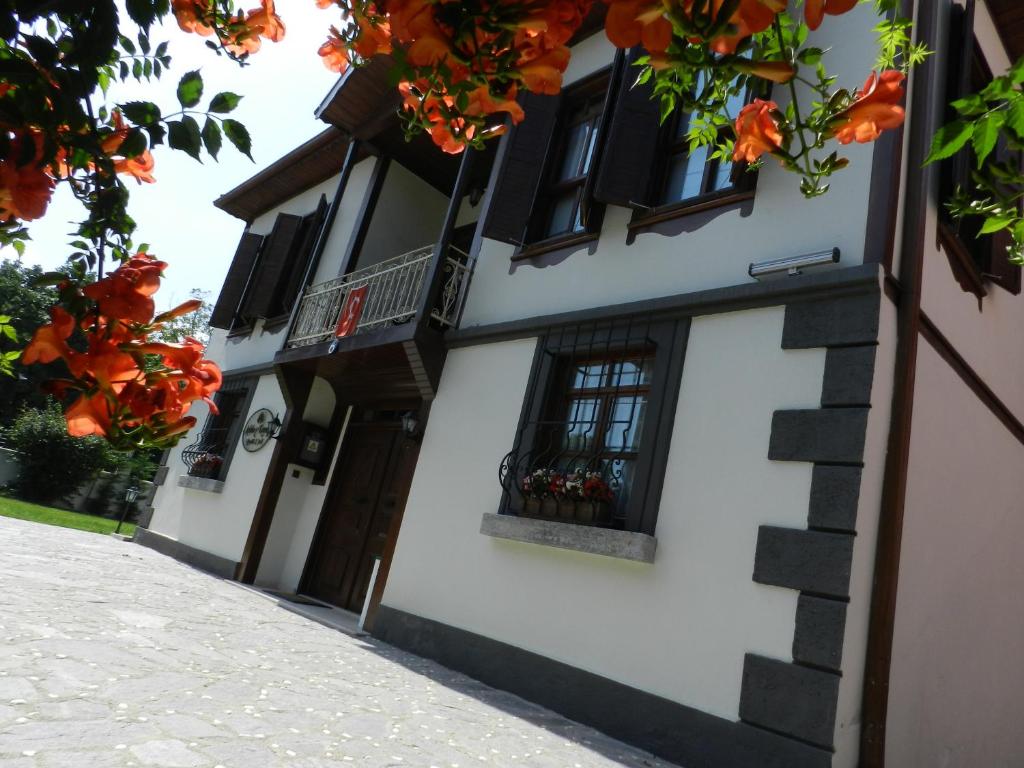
<point x="632" y="141"/>
<point x="956" y="171"/>
<point x="263" y="297"/>
<point x="592" y="214"/>
<point x="226" y="308"/>
<point x="522" y="169"/>
<point x="313" y="223"/>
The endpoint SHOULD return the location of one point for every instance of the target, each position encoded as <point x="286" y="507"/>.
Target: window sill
<point x="274" y="324"/>
<point x="697" y="205"/>
<point x="553" y="244"/>
<point x="623" y="545"/>
<point x="201" y="484"/>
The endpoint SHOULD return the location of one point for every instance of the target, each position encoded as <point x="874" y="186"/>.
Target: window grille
<point x="592" y="422"/>
<point x="210" y="454"/>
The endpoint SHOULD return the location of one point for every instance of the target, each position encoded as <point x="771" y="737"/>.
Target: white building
<point x="808" y="551"/>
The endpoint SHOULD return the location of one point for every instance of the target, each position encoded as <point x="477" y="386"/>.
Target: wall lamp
<point x="791" y="266"/>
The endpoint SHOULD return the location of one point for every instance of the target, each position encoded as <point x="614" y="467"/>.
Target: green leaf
<point x="127" y="44"/>
<point x="997" y="223"/>
<point x="239" y="136"/>
<point x="141" y="112"/>
<point x="986" y="134"/>
<point x="212" y="137"/>
<point x="224" y="102"/>
<point x="182" y="136"/>
<point x="190" y="89"/>
<point x="9" y="332"/>
<point x="1015" y="117"/>
<point x="133" y="144"/>
<point x="949" y="140"/>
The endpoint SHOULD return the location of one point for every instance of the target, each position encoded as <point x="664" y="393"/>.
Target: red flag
<point x="351" y="311"/>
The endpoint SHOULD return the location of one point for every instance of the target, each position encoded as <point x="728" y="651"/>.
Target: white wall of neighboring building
<point x="409" y="215"/>
<point x="678" y="628"/>
<point x="779" y="222"/>
<point x="954" y="696"/>
<point x="217" y="522"/>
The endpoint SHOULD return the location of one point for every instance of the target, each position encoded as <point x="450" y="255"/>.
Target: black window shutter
<point x="521" y="171"/>
<point x="312" y="224"/>
<point x="592" y="214"/>
<point x="631" y="146"/>
<point x="1004" y="273"/>
<point x="226" y="308"/>
<point x="263" y="297"/>
<point x="956" y="170"/>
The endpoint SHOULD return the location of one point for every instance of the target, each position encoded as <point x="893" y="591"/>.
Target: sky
<point x="282" y="85"/>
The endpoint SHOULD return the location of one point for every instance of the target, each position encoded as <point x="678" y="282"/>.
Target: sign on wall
<point x="258" y="430"/>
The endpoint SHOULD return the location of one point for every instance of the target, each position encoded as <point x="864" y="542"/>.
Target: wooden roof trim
<point x="304" y="167"/>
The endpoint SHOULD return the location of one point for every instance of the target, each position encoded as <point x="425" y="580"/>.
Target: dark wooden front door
<point x="369" y="488"/>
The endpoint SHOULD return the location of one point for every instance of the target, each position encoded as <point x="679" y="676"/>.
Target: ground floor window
<point x="593" y="437"/>
<point x="210" y="454"/>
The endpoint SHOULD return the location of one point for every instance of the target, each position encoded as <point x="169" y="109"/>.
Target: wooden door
<point x="369" y="487"/>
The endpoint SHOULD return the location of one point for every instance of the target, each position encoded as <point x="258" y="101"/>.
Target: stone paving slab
<point x="112" y="655"/>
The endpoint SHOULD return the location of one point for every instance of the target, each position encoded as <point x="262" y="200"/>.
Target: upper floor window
<point x="976" y="258"/>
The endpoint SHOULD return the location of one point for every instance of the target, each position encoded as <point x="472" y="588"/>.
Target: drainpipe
<point x="325" y="231"/>
<point x="919" y="190"/>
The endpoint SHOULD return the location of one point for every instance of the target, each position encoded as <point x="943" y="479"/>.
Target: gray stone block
<point x="581" y="538"/>
<point x="820" y="624"/>
<point x="810" y="561"/>
<point x="849" y="373"/>
<point x="835" y="493"/>
<point x="829" y="435"/>
<point x="197" y="558"/>
<point x="832" y="322"/>
<point x="790" y="699"/>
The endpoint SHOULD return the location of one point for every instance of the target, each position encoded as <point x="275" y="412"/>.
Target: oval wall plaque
<point x="258" y="430"/>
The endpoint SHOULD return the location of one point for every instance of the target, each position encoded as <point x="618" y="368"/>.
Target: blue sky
<point x="282" y="86"/>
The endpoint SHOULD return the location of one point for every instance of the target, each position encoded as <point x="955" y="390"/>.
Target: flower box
<point x="568" y="510"/>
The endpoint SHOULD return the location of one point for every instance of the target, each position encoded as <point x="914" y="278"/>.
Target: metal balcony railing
<point x="395" y="287"/>
<point x="205" y="457"/>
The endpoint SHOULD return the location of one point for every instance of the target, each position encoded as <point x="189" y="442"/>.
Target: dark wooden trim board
<point x="670" y="730"/>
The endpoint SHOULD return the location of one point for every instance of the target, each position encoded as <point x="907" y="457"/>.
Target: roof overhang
<point x="312" y="163"/>
<point x="1009" y="18"/>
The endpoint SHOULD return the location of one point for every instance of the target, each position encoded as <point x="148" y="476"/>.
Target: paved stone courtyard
<point x="113" y="655"/>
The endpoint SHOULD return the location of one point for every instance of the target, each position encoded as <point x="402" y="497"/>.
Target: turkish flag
<point x="351" y="311"/>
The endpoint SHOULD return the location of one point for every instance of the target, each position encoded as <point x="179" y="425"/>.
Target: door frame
<point x="367" y="418"/>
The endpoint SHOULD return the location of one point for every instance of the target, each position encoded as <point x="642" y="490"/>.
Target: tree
<point x="27" y="305"/>
<point x="194" y="325"/>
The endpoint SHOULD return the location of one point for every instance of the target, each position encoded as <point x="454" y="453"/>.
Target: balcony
<point x="395" y="351"/>
<point x="395" y="288"/>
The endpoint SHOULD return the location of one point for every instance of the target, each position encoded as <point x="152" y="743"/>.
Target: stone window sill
<point x="201" y="484"/>
<point x="624" y="545"/>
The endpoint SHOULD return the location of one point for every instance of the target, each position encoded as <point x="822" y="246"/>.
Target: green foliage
<point x="195" y="324"/>
<point x="20" y="510"/>
<point x="990" y="125"/>
<point x="53" y="464"/>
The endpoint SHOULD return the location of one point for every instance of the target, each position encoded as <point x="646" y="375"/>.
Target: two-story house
<point x="660" y="445"/>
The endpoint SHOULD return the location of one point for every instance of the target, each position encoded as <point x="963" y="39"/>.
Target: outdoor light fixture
<point x="410" y="424"/>
<point x="791" y="266"/>
<point x="275" y="427"/>
<point x="131" y="493"/>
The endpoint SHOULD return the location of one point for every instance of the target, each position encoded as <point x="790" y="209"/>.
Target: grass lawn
<point x="21" y="510"/>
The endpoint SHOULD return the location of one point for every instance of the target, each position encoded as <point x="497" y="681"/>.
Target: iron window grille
<point x="210" y="454"/>
<point x="593" y="436"/>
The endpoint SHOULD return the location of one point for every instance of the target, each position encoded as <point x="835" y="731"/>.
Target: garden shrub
<point x="54" y="465"/>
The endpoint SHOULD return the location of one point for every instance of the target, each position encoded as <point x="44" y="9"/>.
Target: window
<point x="691" y="175"/>
<point x="974" y="258"/>
<point x="579" y="134"/>
<point x="593" y="438"/>
<point x="209" y="456"/>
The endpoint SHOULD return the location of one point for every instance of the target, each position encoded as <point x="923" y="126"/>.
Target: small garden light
<point x="131" y="493"/>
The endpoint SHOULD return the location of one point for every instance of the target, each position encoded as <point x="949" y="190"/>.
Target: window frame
<point x="245" y="387"/>
<point x="666" y="338"/>
<point x="595" y="87"/>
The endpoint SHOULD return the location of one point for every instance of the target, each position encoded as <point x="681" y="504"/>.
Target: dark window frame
<point x="973" y="257"/>
<point x="665" y="341"/>
<point x="596" y="87"/>
<point x="244" y="387"/>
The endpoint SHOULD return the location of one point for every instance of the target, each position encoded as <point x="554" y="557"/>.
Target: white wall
<point x="957" y="674"/>
<point x="218" y="523"/>
<point x="678" y="628"/>
<point x="718" y="253"/>
<point x="345" y="222"/>
<point x="409" y="215"/>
